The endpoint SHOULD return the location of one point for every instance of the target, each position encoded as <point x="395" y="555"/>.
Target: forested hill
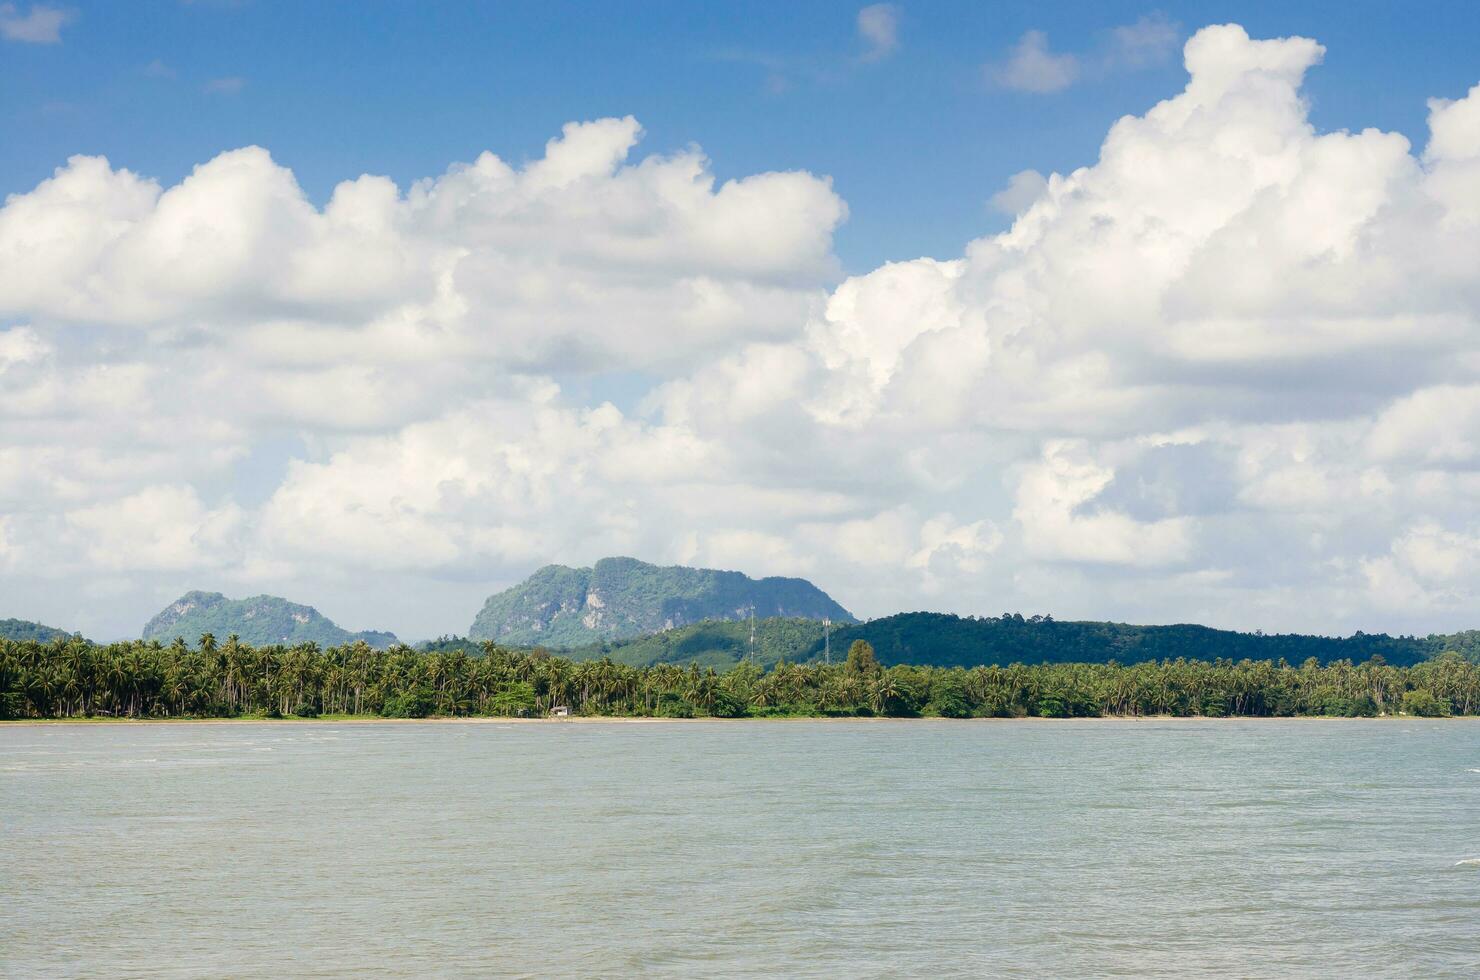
<point x="715" y="643"/>
<point x="620" y="598"/>
<point x="260" y="620"/>
<point x="944" y="640"/>
<point x="23" y="629"/>
<point x="950" y="641"/>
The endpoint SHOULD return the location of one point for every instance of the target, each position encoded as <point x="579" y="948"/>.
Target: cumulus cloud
<point x="1056" y="507"/>
<point x="19" y="346"/>
<point x="38" y="25"/>
<point x="1023" y="188"/>
<point x="160" y="528"/>
<point x="1427" y="568"/>
<point x="1292" y="297"/>
<point x="1434" y="426"/>
<point x="1226" y="371"/>
<point x="1032" y="67"/>
<point x="878" y="28"/>
<point x="485" y="262"/>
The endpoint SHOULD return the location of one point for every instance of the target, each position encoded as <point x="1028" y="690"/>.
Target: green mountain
<point x="618" y="598"/>
<point x="22" y="629"/>
<point x="943" y="640"/>
<point x="951" y="641"/>
<point x="715" y="643"/>
<point x="261" y="620"/>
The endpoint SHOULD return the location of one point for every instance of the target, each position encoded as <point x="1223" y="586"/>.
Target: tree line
<point x="74" y="678"/>
<point x="946" y="640"/>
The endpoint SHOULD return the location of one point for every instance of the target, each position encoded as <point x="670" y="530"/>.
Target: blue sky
<point x="916" y="142"/>
<point x="1109" y="310"/>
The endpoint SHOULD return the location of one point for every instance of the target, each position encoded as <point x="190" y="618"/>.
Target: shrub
<point x="1424" y="705"/>
<point x="727" y="704"/>
<point x="415" y="703"/>
<point x="513" y="700"/>
<point x="670" y="705"/>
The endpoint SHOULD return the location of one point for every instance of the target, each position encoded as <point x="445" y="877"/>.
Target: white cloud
<point x="1225" y="371"/>
<point x="1452" y="158"/>
<point x="160" y="528"/>
<point x="39" y="25"/>
<point x="1056" y="506"/>
<point x="878" y="28"/>
<point x="20" y="346"/>
<point x="1427" y="568"/>
<point x="1023" y="188"/>
<point x="870" y="327"/>
<point x="1438" y="425"/>
<point x="484" y="262"/>
<point x="949" y="550"/>
<point x="1032" y="67"/>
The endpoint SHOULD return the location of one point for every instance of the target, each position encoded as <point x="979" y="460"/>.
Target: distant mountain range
<point x="621" y="598"/>
<point x="260" y="620"/>
<point x="24" y="629"/>
<point x="641" y="614"/>
<point x="944" y="640"/>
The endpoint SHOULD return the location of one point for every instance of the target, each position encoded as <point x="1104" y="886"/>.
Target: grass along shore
<point x="583" y="720"/>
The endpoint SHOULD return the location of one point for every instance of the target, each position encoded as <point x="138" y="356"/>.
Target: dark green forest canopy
<point x="23" y="629"/>
<point x="258" y="619"/>
<point x="947" y="640"/>
<point x="145" y="679"/>
<point x="944" y="640"/>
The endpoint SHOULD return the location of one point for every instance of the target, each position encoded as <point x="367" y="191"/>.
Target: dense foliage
<point x="620" y="598"/>
<point x="943" y="640"/>
<point x="24" y="629"/>
<point x="715" y="643"/>
<point x="948" y="641"/>
<point x="260" y="619"/>
<point x="75" y="678"/>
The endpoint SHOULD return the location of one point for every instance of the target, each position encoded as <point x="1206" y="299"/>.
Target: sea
<point x="1228" y="848"/>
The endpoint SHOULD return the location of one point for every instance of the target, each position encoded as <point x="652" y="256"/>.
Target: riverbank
<point x="603" y="720"/>
<point x="39" y="681"/>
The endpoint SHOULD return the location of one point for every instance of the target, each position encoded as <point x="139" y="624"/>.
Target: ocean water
<point x="857" y="849"/>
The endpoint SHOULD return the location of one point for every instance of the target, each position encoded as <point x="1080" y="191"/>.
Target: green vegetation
<point x="955" y="641"/>
<point x="621" y="598"/>
<point x="720" y="644"/>
<point x="261" y="619"/>
<point x="942" y="640"/>
<point x="24" y="629"/>
<point x="73" y="678"/>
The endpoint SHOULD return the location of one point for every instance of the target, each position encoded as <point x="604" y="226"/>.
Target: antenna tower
<point x="826" y="640"/>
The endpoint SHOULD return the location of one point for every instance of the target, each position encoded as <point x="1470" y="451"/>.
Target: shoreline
<point x="601" y="720"/>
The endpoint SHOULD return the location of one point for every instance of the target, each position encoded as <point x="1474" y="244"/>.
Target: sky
<point x="1155" y="314"/>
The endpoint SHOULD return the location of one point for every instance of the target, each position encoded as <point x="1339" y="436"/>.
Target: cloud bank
<point x="1229" y="372"/>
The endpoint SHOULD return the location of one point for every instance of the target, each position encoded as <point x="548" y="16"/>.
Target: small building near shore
<point x="560" y="711"/>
